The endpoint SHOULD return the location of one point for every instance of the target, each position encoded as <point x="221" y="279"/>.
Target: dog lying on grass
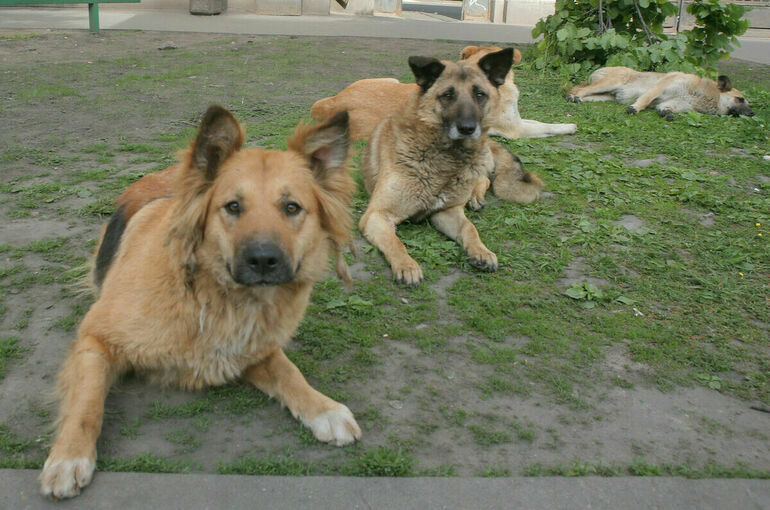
<point x="669" y="93"/>
<point x="203" y="274"/>
<point x="432" y="156"/>
<point x="370" y="100"/>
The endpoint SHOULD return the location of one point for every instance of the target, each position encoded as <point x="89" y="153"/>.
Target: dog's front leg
<point x="453" y="223"/>
<point x="648" y="97"/>
<point x="330" y="421"/>
<point x="83" y="385"/>
<point x="380" y="230"/>
<point x="479" y="193"/>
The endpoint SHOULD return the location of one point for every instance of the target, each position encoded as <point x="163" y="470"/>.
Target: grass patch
<point x="9" y="350"/>
<point x="267" y="466"/>
<point x="145" y="463"/>
<point x="382" y="461"/>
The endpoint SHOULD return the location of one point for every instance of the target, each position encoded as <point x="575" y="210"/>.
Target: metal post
<point x="93" y="17"/>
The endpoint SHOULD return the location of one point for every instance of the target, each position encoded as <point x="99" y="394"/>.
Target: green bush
<point x="582" y="35"/>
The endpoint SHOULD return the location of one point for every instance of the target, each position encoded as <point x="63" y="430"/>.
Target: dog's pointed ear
<point x="426" y="70"/>
<point x="496" y="65"/>
<point x="219" y="136"/>
<point x="325" y="145"/>
<point x="723" y="83"/>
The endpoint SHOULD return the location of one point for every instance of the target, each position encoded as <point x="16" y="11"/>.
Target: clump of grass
<point x="10" y="348"/>
<point x="381" y="461"/>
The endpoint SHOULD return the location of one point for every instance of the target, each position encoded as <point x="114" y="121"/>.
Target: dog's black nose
<point x="262" y="263"/>
<point x="750" y="113"/>
<point x="263" y="258"/>
<point x="466" y="128"/>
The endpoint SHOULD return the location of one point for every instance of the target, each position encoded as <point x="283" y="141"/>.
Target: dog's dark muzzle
<point x="262" y="263"/>
<point x="740" y="110"/>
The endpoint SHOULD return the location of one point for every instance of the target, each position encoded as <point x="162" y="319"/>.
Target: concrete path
<point x="413" y="25"/>
<point x="124" y="491"/>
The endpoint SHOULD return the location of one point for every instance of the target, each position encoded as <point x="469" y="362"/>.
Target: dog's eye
<point x="448" y="95"/>
<point x="292" y="209"/>
<point x="233" y="207"/>
<point x="741" y="100"/>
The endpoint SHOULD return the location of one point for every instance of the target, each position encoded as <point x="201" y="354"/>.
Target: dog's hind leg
<point x="453" y="223"/>
<point x="596" y="98"/>
<point x="535" y="129"/>
<point x="83" y="386"/>
<point x="602" y="87"/>
<point x="330" y="421"/>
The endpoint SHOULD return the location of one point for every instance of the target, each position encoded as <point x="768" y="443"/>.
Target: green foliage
<point x="581" y="38"/>
<point x="716" y="27"/>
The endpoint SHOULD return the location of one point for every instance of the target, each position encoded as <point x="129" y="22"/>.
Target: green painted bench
<point x="93" y="7"/>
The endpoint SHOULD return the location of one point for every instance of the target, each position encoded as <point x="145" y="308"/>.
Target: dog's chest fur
<point x="438" y="175"/>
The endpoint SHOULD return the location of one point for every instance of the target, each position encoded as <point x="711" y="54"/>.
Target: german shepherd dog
<point x="370" y="100"/>
<point x="430" y="157"/>
<point x="203" y="274"/>
<point x="669" y="93"/>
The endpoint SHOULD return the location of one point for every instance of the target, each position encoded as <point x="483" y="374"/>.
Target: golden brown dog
<point x="370" y="100"/>
<point x="669" y="93"/>
<point x="203" y="274"/>
<point x="428" y="158"/>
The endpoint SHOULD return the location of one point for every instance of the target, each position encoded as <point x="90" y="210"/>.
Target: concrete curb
<point x="124" y="491"/>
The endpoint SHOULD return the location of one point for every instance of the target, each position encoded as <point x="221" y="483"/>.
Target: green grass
<point x="642" y="468"/>
<point x="9" y="350"/>
<point x="145" y="463"/>
<point x="681" y="300"/>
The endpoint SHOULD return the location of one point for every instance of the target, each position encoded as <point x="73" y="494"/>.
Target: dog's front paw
<point x="573" y="98"/>
<point x="337" y="426"/>
<point x="476" y="203"/>
<point x="667" y="114"/>
<point x="483" y="259"/>
<point x="64" y="478"/>
<point x="631" y="110"/>
<point x="570" y="129"/>
<point x="407" y="272"/>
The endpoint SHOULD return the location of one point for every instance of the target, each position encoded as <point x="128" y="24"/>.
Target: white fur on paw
<point x="64" y="478"/>
<point x="570" y="129"/>
<point x="337" y="427"/>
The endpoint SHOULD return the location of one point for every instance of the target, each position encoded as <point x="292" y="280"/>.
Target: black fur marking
<point x="109" y="246"/>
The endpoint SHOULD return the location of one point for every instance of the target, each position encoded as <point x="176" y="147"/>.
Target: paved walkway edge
<point x="18" y="491"/>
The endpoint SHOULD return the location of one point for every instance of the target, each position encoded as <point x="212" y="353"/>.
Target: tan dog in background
<point x="430" y="156"/>
<point x="370" y="100"/>
<point x="194" y="310"/>
<point x="669" y="93"/>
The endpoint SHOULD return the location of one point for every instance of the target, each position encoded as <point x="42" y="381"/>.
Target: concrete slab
<point x="412" y="25"/>
<point x="125" y="491"/>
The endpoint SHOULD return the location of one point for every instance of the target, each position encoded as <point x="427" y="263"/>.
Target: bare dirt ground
<point x="75" y="107"/>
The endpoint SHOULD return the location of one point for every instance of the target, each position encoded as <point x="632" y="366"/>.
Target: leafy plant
<point x="584" y="34"/>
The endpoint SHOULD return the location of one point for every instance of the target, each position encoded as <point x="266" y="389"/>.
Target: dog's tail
<point x="510" y="181"/>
